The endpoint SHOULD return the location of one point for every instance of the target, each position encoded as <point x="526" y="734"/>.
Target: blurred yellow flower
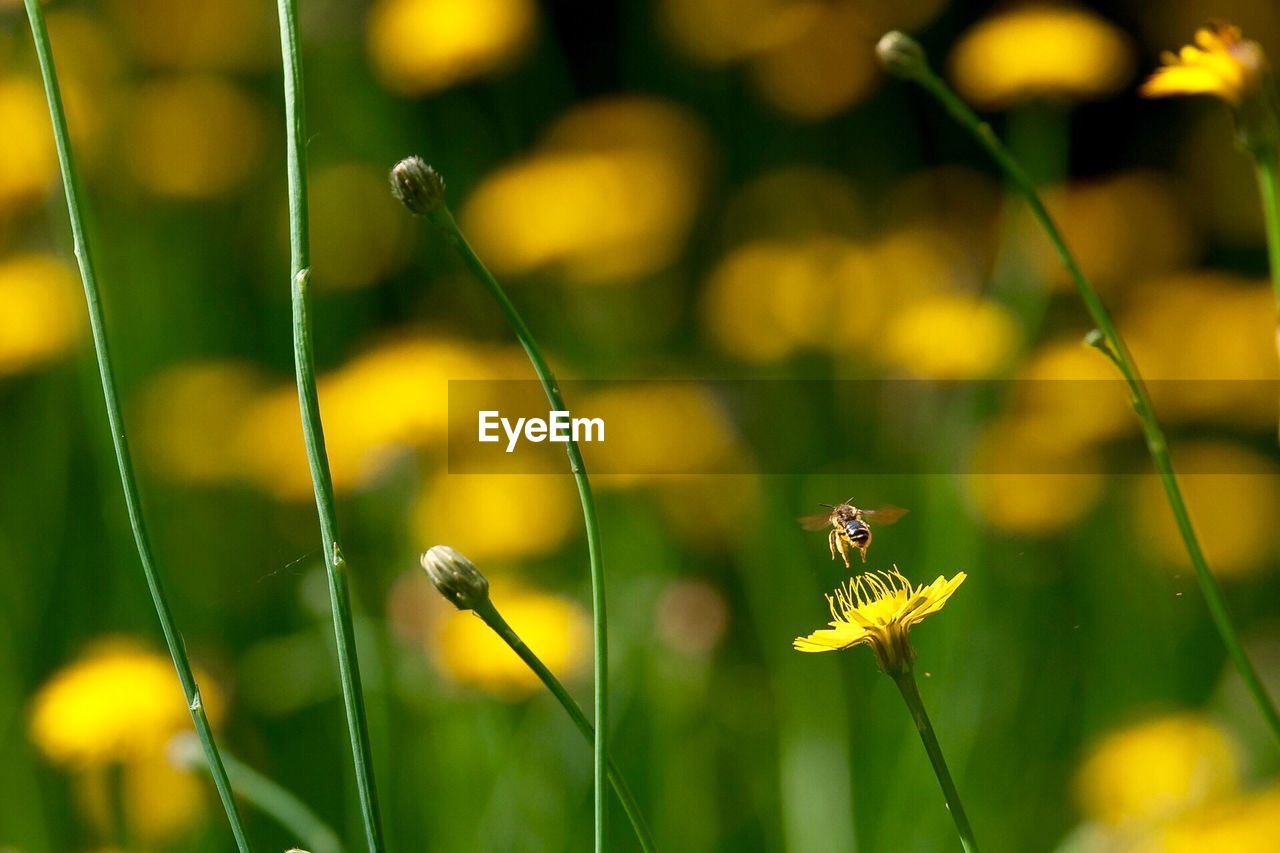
<point x="1069" y="398"/>
<point x="639" y="446"/>
<point x="41" y="311"/>
<point x="1034" y="51"/>
<point x="194" y="137"/>
<point x="1245" y="824"/>
<point x="159" y="800"/>
<point x="28" y="162"/>
<point x="498" y="516"/>
<point x="1023" y="484"/>
<point x="879" y="609"/>
<point x="185" y="415"/>
<point x="198" y="34"/>
<point x="951" y="337"/>
<point x="827" y="64"/>
<point x="1122" y="228"/>
<point x="421" y="46"/>
<point x="120" y="701"/>
<point x="1233" y="497"/>
<point x="471" y="654"/>
<point x="359" y="234"/>
<point x="391" y="399"/>
<point x="715" y="32"/>
<point x="608" y="196"/>
<point x="1157" y="769"/>
<point x="1221" y="63"/>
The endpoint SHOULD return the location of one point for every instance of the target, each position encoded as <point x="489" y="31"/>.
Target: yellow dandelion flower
<point x="195" y="137"/>
<point x="470" y="653"/>
<point x="159" y="801"/>
<point x="1245" y="824"/>
<point x="41" y="311"/>
<point x="951" y="336"/>
<point x="878" y="609"/>
<point x="197" y="34"/>
<point x="28" y="162"/>
<point x="422" y="46"/>
<point x="1221" y="63"/>
<point x="461" y="508"/>
<point x="1156" y="769"/>
<point x="119" y="702"/>
<point x="1041" y="51"/>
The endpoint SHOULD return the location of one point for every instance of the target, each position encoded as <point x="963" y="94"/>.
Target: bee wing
<point x="820" y="521"/>
<point x="884" y="514"/>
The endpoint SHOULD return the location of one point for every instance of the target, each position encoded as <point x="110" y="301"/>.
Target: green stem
<point x="489" y="613"/>
<point x="1112" y="345"/>
<point x="115" y="418"/>
<point x="271" y="799"/>
<point x="911" y="695"/>
<point x="313" y="429"/>
<point x="443" y="219"/>
<point x="1265" y="161"/>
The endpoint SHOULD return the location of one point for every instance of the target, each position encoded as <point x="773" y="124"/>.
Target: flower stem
<point x="487" y="612"/>
<point x="124" y="460"/>
<point x="313" y="429"/>
<point x="1108" y="340"/>
<point x="1265" y="162"/>
<point x="906" y="682"/>
<point x="270" y="798"/>
<point x="443" y="219"/>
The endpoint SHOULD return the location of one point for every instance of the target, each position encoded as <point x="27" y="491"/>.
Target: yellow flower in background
<point x="120" y="701"/>
<point x="468" y="652"/>
<point x="498" y="516"/>
<point x="41" y="311"/>
<point x="826" y="66"/>
<point x="1220" y="63"/>
<point x="1233" y="496"/>
<point x="1122" y="228"/>
<point x="951" y="337"/>
<point x="879" y="609"/>
<point x="198" y="34"/>
<point x="186" y="414"/>
<point x="1245" y="824"/>
<point x="1157" y="769"/>
<point x="359" y="234"/>
<point x="715" y="32"/>
<point x="28" y="162"/>
<point x="1060" y="52"/>
<point x="389" y="400"/>
<point x="194" y="137"/>
<point x="607" y="197"/>
<point x="639" y="448"/>
<point x="1021" y="483"/>
<point x="1069" y="398"/>
<point x="422" y="46"/>
<point x="159" y="801"/>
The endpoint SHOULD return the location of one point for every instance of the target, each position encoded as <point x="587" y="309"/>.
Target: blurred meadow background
<point x="672" y="190"/>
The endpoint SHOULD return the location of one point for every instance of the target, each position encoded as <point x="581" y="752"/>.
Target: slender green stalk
<point x="313" y="429"/>
<point x="494" y="620"/>
<point x="911" y="64"/>
<point x="124" y="460"/>
<point x="425" y="197"/>
<point x="270" y="798"/>
<point x="906" y="682"/>
<point x="1265" y="162"/>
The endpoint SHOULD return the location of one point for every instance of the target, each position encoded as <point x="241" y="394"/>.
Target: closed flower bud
<point x="901" y="55"/>
<point x="418" y="186"/>
<point x="456" y="577"/>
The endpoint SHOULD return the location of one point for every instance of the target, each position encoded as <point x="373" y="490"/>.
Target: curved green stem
<point x="313" y="429"/>
<point x="124" y="460"/>
<point x="494" y="620"/>
<point x="270" y="797"/>
<point x="443" y="219"/>
<point x="911" y="695"/>
<point x="1108" y="340"/>
<point x="1265" y="162"/>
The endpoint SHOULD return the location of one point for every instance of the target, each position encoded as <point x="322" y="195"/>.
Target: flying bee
<point x="849" y="528"/>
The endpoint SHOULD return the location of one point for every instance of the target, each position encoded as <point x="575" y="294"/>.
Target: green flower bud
<point x="456" y="577"/>
<point x="417" y="186"/>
